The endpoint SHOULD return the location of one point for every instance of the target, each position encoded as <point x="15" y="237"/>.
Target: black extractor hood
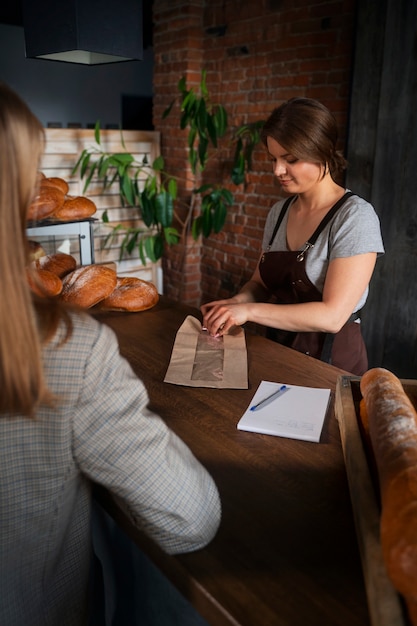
<point x="89" y="32"/>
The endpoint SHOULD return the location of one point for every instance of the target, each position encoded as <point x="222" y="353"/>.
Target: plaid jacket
<point x="101" y="431"/>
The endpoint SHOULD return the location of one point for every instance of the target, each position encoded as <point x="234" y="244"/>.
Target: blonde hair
<point x="24" y="322"/>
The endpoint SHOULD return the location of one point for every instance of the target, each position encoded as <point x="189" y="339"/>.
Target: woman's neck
<point x="321" y="197"/>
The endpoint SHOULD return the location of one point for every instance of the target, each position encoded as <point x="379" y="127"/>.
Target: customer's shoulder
<point x="85" y="333"/>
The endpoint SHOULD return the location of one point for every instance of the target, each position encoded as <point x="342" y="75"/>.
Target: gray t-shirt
<point x="355" y="229"/>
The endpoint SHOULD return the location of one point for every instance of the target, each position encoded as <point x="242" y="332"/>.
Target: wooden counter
<point x="286" y="552"/>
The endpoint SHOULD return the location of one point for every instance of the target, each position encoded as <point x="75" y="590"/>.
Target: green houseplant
<point x="154" y="192"/>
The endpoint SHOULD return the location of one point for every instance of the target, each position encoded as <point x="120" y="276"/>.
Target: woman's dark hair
<point x="308" y="130"/>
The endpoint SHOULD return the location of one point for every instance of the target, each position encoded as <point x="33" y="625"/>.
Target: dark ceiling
<point x="11" y="13"/>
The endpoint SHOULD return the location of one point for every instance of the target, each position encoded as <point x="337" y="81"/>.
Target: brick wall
<point x="256" y="54"/>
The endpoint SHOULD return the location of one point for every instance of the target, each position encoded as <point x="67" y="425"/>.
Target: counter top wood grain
<point x="286" y="553"/>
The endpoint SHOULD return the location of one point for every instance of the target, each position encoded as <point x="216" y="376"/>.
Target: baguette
<point x="393" y="434"/>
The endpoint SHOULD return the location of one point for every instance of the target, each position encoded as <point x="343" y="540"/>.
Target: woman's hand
<point x="220" y="316"/>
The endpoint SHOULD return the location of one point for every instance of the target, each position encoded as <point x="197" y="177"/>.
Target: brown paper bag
<point x="199" y="360"/>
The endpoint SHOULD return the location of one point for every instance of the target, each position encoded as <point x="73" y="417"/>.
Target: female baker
<point x="319" y="249"/>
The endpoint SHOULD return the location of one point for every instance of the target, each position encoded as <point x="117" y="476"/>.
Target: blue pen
<point x="270" y="398"/>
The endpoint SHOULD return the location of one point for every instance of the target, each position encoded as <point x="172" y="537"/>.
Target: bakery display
<point x="89" y="286"/>
<point x="52" y="201"/>
<point x="391" y="420"/>
<point x="130" y="294"/>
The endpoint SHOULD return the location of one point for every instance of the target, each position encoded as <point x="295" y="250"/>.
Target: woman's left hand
<point x="220" y="318"/>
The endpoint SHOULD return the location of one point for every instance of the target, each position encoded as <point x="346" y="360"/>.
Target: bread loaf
<point x="393" y="434"/>
<point x="48" y="200"/>
<point x="58" y="263"/>
<point x="35" y="250"/>
<point x="75" y="207"/>
<point x="58" y="183"/>
<point x="88" y="285"/>
<point x="130" y="294"/>
<point x="44" y="283"/>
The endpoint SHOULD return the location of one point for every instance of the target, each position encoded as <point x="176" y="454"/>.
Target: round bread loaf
<point x="55" y="181"/>
<point x="35" y="250"/>
<point x="48" y="200"/>
<point x="393" y="432"/>
<point x="88" y="285"/>
<point x="43" y="282"/>
<point x="130" y="294"/>
<point x="58" y="263"/>
<point x="74" y="208"/>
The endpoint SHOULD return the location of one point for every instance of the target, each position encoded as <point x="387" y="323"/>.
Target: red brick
<point x="290" y="52"/>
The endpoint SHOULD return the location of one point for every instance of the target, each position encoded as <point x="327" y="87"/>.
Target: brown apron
<point x="284" y="273"/>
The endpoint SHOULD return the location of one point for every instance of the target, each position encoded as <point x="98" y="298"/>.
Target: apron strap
<point x="326" y="219"/>
<point x="280" y="218"/>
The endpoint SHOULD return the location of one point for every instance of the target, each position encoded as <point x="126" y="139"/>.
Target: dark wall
<point x="382" y="154"/>
<point x="67" y="93"/>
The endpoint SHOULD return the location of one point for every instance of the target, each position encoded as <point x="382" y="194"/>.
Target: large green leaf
<point x="173" y="188"/>
<point x="182" y="85"/>
<point x="220" y="120"/>
<point x="154" y="247"/>
<point x="171" y="235"/>
<point x="212" y="130"/>
<point x="219" y="217"/>
<point x="158" y="163"/>
<point x="90" y="176"/>
<point x="196" y="227"/>
<point x="147" y="207"/>
<point x="193" y="158"/>
<point x="128" y="190"/>
<point x="202" y="151"/>
<point x="84" y="164"/>
<point x="201" y="117"/>
<point x="168" y="110"/>
<point x="97" y="132"/>
<point x="164" y="208"/>
<point x="121" y="159"/>
<point x="206" y="221"/>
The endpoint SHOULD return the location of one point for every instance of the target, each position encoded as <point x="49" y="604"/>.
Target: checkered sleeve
<point x="120" y="444"/>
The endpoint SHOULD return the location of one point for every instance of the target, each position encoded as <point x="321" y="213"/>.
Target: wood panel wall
<point x="382" y="153"/>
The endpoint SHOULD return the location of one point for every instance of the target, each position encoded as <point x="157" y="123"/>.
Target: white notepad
<point x="298" y="413"/>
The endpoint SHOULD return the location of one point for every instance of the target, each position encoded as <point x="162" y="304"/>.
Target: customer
<point x="72" y="413"/>
<point x="319" y="246"/>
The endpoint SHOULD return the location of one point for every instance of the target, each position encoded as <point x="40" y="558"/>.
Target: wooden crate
<point x="385" y="604"/>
